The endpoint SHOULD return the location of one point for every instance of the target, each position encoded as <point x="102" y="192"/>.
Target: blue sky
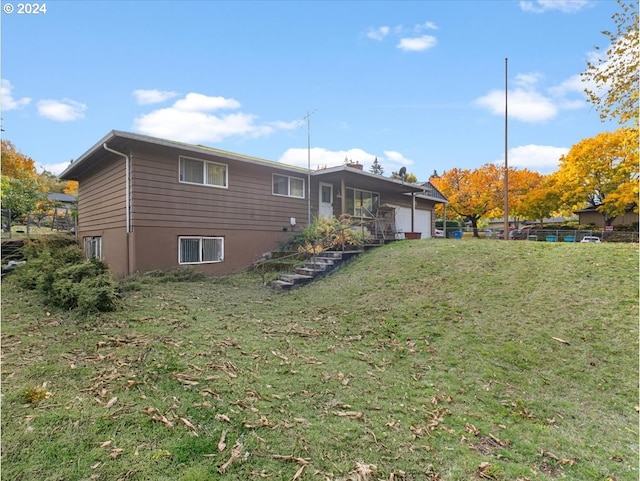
<point x="418" y="84"/>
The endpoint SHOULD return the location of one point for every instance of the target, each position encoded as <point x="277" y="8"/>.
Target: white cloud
<point x="564" y="6"/>
<point x="144" y="97"/>
<point x="528" y="104"/>
<point x="523" y="105"/>
<point x="194" y="102"/>
<point x="8" y="101"/>
<point x="391" y="161"/>
<point x="378" y="33"/>
<point x="55" y="169"/>
<point x="417" y="44"/>
<point x="539" y="158"/>
<point x="194" y="119"/>
<point x="64" y="110"/>
<point x="426" y="26"/>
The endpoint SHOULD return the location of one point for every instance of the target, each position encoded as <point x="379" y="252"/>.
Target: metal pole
<point x="506" y="147"/>
<point x="308" y="119"/>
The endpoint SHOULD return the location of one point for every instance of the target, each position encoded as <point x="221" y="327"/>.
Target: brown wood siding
<point x="160" y="200"/>
<point x="101" y="198"/>
<point x="157" y="248"/>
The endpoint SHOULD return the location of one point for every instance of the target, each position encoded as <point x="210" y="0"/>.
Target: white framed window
<point x="196" y="171"/>
<point x="362" y="202"/>
<point x="93" y="247"/>
<point x="200" y="250"/>
<point x="288" y="186"/>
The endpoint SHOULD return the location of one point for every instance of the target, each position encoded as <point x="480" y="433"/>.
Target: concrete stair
<point x="319" y="266"/>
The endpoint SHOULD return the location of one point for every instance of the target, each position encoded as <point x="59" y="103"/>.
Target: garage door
<point x="421" y="221"/>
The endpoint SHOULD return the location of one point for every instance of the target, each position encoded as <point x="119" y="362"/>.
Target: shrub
<point x="57" y="269"/>
<point x="327" y="233"/>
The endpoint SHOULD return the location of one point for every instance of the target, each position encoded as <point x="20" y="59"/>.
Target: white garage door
<point x="421" y="221"/>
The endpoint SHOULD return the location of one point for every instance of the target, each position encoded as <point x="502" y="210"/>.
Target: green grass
<point x="427" y="358"/>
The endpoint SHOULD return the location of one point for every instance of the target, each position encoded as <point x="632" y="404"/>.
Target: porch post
<point x="343" y="200"/>
<point x="413" y="209"/>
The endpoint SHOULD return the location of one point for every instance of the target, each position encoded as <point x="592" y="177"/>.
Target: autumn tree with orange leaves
<point x="472" y="194"/>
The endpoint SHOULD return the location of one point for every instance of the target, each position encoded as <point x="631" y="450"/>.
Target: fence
<point x="569" y="235"/>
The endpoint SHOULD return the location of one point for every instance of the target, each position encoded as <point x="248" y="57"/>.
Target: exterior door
<point x="326" y="200"/>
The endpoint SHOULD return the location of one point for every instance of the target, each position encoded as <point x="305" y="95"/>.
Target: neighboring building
<point x="590" y="215"/>
<point x="153" y="204"/>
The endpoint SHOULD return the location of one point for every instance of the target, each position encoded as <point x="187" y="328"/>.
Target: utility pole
<point x="506" y="147"/>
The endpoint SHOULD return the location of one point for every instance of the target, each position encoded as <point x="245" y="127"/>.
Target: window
<point x="194" y="171"/>
<point x="289" y="186"/>
<point x="93" y="247"/>
<point x="362" y="202"/>
<point x="200" y="250"/>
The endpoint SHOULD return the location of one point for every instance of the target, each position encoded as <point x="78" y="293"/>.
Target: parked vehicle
<point x="589" y="238"/>
<point x="513" y="234"/>
<point x="438" y="233"/>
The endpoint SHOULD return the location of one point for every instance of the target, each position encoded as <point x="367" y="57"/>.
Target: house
<point x="153" y="204"/>
<point x="590" y="215"/>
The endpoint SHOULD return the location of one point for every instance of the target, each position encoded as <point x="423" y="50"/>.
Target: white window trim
<point x="97" y="242"/>
<point x="288" y="177"/>
<point x="200" y="238"/>
<point x="204" y="173"/>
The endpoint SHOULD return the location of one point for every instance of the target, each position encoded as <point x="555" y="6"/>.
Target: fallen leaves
<point x="236" y="453"/>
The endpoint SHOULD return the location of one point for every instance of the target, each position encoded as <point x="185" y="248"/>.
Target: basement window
<point x="195" y="171"/>
<point x="200" y="250"/>
<point x="93" y="247"/>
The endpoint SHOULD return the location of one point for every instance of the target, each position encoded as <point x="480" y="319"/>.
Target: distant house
<point x="152" y="204"/>
<point x="590" y="215"/>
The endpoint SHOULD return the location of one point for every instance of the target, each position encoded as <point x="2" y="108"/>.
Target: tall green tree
<point x="612" y="78"/>
<point x="376" y="167"/>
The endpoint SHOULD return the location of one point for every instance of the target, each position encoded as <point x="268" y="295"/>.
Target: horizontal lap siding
<point x="160" y="200"/>
<point x="101" y="198"/>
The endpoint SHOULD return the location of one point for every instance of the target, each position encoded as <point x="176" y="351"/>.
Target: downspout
<point x="127" y="197"/>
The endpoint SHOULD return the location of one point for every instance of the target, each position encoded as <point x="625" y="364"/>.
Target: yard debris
<point x="187" y="423"/>
<point x="158" y="416"/>
<point x="561" y="341"/>
<point x="484" y="470"/>
<point x="298" y="473"/>
<point x="349" y="414"/>
<point x="235" y="455"/>
<point x="301" y="461"/>
<point x="363" y="472"/>
<point x="221" y="444"/>
<point x="186" y="379"/>
<point x="263" y="422"/>
<point x="111" y="402"/>
<point x="223" y="418"/>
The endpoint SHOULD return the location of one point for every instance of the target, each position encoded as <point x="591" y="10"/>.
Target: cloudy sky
<point x="419" y="84"/>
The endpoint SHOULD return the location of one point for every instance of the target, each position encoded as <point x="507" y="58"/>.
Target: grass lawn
<point x="421" y="360"/>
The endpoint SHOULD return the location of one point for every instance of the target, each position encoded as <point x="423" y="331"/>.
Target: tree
<point x="615" y="76"/>
<point x="20" y="196"/>
<point x="521" y="183"/>
<point x="376" y="167"/>
<point x="71" y="187"/>
<point x="15" y="164"/>
<point x="541" y="202"/>
<point x="408" y="177"/>
<point x="472" y="194"/>
<point x="601" y="172"/>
